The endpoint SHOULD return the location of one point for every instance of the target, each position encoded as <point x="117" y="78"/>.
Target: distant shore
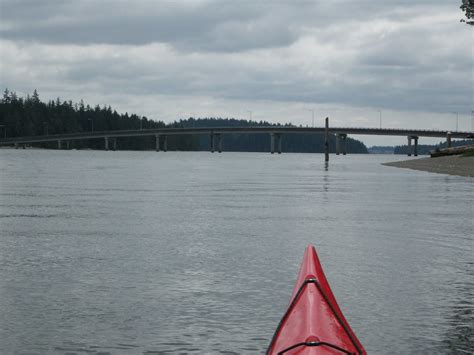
<point x="452" y="165"/>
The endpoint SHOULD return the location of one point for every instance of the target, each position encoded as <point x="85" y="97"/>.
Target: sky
<point x="402" y="64"/>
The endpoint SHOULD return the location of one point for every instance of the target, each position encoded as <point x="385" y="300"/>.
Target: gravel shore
<point x="452" y="165"/>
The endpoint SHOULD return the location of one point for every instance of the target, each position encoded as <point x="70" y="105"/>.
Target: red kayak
<point x="313" y="323"/>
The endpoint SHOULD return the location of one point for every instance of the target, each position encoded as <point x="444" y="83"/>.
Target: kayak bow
<point x="313" y="323"/>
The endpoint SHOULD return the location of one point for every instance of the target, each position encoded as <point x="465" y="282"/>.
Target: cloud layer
<point x="361" y="55"/>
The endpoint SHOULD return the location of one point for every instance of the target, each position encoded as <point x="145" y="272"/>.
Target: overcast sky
<point x="409" y="61"/>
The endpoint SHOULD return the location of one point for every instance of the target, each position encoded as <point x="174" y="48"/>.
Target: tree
<point x="6" y="97"/>
<point x="35" y="97"/>
<point x="467" y="7"/>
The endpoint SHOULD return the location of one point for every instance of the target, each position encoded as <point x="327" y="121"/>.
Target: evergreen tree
<point x="6" y="97"/>
<point x="35" y="97"/>
<point x="467" y="6"/>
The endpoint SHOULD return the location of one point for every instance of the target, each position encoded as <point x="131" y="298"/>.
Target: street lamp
<point x="457" y="120"/>
<point x="250" y="113"/>
<point x="380" y="118"/>
<point x="472" y="120"/>
<point x="92" y="124"/>
<point x="312" y="115"/>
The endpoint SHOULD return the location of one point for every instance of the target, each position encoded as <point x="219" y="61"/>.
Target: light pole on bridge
<point x="380" y="118"/>
<point x="312" y="115"/>
<point x="457" y="120"/>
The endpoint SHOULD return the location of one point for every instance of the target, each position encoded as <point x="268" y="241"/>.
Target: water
<point x="129" y="252"/>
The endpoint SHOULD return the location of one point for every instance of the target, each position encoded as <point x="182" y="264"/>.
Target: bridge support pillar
<point x="165" y="143"/>
<point x="219" y="142"/>
<point x="272" y="143"/>
<point x="415" y="146"/>
<point x="448" y="139"/>
<point x="59" y="144"/>
<point x="114" y="144"/>
<point x="106" y="139"/>
<point x="279" y="143"/>
<point x="413" y="150"/>
<point x="67" y="145"/>
<point x="326" y="140"/>
<point x="212" y="142"/>
<point x="157" y="142"/>
<point x="341" y="143"/>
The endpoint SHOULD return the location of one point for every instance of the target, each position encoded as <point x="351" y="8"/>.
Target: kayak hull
<point x="313" y="323"/>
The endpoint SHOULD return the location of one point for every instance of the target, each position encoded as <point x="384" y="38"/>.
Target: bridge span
<point x="215" y="133"/>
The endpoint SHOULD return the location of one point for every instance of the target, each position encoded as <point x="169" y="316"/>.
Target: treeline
<point x="424" y="149"/>
<point x="30" y="117"/>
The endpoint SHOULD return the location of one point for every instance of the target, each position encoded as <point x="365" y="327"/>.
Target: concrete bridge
<point x="215" y="133"/>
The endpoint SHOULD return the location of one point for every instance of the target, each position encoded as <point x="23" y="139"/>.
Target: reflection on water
<point x="129" y="252"/>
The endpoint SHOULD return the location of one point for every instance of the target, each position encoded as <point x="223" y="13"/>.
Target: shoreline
<point x="451" y="165"/>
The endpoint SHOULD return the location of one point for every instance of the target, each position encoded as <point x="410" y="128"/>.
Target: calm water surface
<point x="129" y="252"/>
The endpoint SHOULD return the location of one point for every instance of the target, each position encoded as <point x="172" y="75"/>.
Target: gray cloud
<point x="189" y="25"/>
<point x="215" y="26"/>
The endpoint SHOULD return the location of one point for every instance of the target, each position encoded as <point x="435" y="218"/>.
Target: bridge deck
<point x="236" y="130"/>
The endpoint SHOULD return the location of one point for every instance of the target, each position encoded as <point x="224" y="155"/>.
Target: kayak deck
<point x="313" y="323"/>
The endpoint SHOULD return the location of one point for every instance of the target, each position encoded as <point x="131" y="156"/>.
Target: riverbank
<point x="453" y="165"/>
